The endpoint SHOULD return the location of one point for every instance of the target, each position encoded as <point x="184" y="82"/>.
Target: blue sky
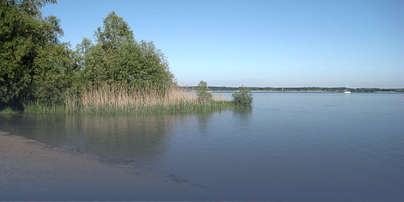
<point x="282" y="43"/>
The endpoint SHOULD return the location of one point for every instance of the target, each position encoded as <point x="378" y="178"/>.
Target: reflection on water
<point x="203" y="120"/>
<point x="288" y="146"/>
<point x="121" y="139"/>
<point x="243" y="112"/>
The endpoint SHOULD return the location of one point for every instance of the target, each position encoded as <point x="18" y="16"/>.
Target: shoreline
<point x="302" y="91"/>
<point x="31" y="170"/>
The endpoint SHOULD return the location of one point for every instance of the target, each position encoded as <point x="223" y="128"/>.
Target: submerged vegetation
<point x="115" y="73"/>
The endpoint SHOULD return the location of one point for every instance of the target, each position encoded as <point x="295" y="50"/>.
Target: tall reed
<point x="148" y="99"/>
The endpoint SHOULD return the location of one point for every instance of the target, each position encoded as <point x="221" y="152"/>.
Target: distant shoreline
<point x="267" y="91"/>
<point x="302" y="89"/>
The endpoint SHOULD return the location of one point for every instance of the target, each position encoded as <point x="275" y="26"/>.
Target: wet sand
<point x="30" y="170"/>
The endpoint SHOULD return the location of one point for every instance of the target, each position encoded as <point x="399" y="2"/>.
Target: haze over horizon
<point x="308" y="43"/>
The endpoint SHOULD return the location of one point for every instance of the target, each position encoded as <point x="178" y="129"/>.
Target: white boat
<point x="347" y="92"/>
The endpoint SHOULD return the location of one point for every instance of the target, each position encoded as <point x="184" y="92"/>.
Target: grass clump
<point x="8" y="110"/>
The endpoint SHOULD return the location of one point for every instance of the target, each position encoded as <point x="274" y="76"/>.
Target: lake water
<point x="289" y="146"/>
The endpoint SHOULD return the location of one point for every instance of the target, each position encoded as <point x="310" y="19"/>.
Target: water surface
<point x="289" y="146"/>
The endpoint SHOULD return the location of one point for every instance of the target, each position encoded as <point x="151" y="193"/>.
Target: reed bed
<point x="115" y="100"/>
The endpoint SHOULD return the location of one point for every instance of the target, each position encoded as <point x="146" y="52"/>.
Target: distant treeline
<point x="302" y="89"/>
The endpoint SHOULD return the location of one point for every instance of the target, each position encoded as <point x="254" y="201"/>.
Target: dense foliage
<point x="31" y="59"/>
<point x="117" y="58"/>
<point x="243" y="97"/>
<point x="36" y="68"/>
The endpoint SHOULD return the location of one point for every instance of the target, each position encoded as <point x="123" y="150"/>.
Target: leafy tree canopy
<point x="117" y="58"/>
<point x="36" y="67"/>
<point x="24" y="36"/>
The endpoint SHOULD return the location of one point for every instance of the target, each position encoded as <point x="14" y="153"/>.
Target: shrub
<point x="203" y="94"/>
<point x="243" y="97"/>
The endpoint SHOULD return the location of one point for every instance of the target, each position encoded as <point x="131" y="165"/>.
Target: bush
<point x="118" y="59"/>
<point x="203" y="94"/>
<point x="243" y="97"/>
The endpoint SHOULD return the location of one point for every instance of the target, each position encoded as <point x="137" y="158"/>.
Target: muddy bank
<point x="30" y="170"/>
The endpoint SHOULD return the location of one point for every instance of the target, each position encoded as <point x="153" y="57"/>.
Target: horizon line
<point x="216" y="86"/>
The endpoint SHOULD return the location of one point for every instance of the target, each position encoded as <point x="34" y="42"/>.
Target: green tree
<point x="114" y="33"/>
<point x="243" y="97"/>
<point x="118" y="59"/>
<point x="55" y="69"/>
<point x="28" y="49"/>
<point x="36" y="67"/>
<point x="203" y="92"/>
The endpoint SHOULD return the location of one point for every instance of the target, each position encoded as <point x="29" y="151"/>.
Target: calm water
<point x="289" y="146"/>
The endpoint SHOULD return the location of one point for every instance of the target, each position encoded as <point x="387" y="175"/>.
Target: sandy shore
<point x="30" y="170"/>
<point x="19" y="155"/>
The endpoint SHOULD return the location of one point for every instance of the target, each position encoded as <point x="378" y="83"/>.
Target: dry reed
<point x="119" y="99"/>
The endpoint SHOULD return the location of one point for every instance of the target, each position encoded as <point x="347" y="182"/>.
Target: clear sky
<point x="284" y="43"/>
